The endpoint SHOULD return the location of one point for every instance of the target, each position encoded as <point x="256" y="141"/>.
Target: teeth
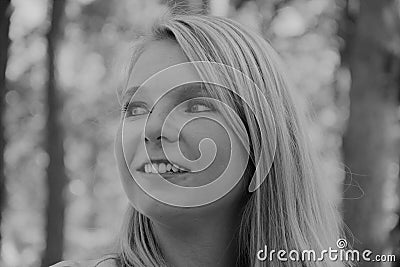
<point x="154" y="168"/>
<point x="162" y="168"/>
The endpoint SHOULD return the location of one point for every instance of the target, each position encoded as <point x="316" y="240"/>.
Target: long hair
<point x="289" y="211"/>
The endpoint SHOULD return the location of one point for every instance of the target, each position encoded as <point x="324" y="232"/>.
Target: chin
<point x="160" y="212"/>
<point x="179" y="217"/>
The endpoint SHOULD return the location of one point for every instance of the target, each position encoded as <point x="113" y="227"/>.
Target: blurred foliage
<point x="98" y="33"/>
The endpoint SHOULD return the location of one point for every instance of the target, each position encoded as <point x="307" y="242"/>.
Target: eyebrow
<point x="190" y="90"/>
<point x="197" y="89"/>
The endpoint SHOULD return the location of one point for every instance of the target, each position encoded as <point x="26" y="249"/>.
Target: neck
<point x="201" y="242"/>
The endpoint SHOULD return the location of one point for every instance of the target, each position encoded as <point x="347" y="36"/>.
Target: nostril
<point x="148" y="139"/>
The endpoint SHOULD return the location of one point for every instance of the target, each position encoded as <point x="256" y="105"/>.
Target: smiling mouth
<point x="162" y="167"/>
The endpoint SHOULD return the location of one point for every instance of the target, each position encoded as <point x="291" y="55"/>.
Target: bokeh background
<point x="60" y="61"/>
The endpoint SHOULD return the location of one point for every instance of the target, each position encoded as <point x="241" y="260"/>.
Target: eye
<point x="134" y="109"/>
<point x="199" y="105"/>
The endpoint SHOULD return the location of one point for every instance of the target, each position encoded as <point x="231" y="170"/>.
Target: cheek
<point x="124" y="149"/>
<point x="225" y="141"/>
<point x="131" y="139"/>
<point x="217" y="156"/>
<point x="194" y="132"/>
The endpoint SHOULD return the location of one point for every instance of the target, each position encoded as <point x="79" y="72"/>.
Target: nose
<point x="156" y="128"/>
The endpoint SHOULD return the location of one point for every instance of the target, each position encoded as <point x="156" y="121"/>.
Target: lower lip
<point x="166" y="176"/>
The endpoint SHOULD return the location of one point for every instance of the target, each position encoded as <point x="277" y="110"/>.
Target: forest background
<point x="60" y="195"/>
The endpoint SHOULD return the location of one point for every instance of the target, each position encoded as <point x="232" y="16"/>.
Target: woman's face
<point x="163" y="124"/>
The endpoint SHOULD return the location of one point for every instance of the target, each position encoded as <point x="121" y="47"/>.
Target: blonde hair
<point x="289" y="210"/>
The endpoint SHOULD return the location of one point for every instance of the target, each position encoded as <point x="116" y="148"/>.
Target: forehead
<point x="159" y="65"/>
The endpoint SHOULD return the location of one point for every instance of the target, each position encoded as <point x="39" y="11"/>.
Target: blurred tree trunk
<point x="395" y="234"/>
<point x="5" y="9"/>
<point x="91" y="183"/>
<point x="184" y="6"/>
<point x="370" y="144"/>
<point x="56" y="176"/>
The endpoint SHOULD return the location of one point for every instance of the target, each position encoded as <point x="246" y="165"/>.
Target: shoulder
<point x="101" y="262"/>
<point x="107" y="261"/>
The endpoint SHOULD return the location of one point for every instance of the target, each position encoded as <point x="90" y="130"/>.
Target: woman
<point x="212" y="154"/>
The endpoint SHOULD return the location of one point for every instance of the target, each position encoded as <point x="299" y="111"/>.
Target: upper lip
<point x="161" y="160"/>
